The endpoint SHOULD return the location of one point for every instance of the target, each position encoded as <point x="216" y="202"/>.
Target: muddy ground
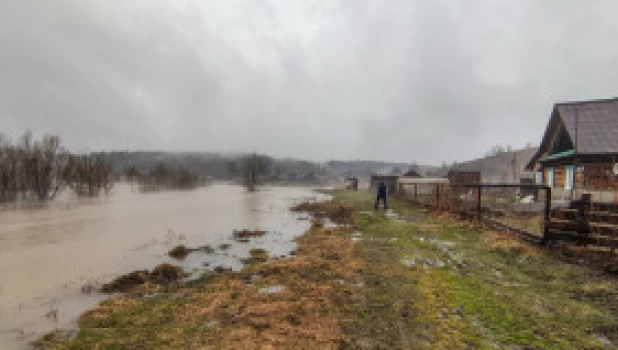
<point x="402" y="279"/>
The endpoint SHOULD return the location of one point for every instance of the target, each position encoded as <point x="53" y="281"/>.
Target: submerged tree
<point x="88" y="175"/>
<point x="254" y="167"/>
<point x="162" y="177"/>
<point x="40" y="169"/>
<point x="31" y="168"/>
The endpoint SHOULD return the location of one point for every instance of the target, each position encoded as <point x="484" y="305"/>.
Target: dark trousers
<point x="378" y="202"/>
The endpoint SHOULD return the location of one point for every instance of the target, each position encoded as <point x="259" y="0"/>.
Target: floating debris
<point x="222" y="269"/>
<point x="52" y="314"/>
<point x="225" y="246"/>
<point x="207" y="249"/>
<point x="179" y="252"/>
<point x="244" y="234"/>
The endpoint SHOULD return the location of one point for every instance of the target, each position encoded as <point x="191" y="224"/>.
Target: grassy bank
<point x="433" y="282"/>
<point x="411" y="280"/>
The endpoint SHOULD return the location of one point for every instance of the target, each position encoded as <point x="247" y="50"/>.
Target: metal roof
<point x="592" y="125"/>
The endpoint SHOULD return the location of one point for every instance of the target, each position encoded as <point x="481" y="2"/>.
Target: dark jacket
<point x="382" y="191"/>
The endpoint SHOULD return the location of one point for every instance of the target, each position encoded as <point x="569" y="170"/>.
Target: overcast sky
<point x="395" y="80"/>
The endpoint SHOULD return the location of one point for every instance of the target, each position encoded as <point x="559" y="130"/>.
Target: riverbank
<point x="53" y="260"/>
<point x="404" y="279"/>
<point x="283" y="303"/>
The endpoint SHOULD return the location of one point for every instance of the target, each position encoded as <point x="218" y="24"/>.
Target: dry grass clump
<point x="507" y="244"/>
<point x="162" y="274"/>
<point x="340" y="213"/>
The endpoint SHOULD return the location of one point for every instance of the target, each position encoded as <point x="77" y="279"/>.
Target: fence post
<point x="416" y="193"/>
<point x="438" y="196"/>
<point x="478" y="204"/>
<point x="547" y="214"/>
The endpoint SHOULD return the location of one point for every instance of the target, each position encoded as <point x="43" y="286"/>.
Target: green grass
<point x="505" y="294"/>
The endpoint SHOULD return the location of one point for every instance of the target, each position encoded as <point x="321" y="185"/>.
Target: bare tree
<point x="47" y="167"/>
<point x="40" y="169"/>
<point x="255" y="166"/>
<point x="89" y="175"/>
<point x="162" y="177"/>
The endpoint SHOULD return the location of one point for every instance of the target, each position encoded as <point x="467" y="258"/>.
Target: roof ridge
<point x="571" y="103"/>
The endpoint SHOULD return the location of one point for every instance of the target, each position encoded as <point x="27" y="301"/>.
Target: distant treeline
<point x="233" y="167"/>
<point x="40" y="169"/>
<point x="164" y="177"/>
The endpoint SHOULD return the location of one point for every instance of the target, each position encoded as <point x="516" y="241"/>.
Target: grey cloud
<point x="391" y="80"/>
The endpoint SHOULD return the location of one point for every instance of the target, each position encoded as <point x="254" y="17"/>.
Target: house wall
<point x="560" y="176"/>
<point x="595" y="178"/>
<point x="599" y="176"/>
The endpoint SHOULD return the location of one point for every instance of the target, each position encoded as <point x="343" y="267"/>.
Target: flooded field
<point x="49" y="257"/>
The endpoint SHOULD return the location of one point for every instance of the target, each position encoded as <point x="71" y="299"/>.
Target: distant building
<point x="464" y="177"/>
<point x="351" y="183"/>
<point x="579" y="150"/>
<point x="412" y="173"/>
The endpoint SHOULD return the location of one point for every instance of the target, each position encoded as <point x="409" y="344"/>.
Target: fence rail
<point x="523" y="209"/>
<point x="526" y="210"/>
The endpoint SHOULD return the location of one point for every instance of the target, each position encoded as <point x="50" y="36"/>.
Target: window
<point x="549" y="180"/>
<point x="568" y="181"/>
<point x="538" y="178"/>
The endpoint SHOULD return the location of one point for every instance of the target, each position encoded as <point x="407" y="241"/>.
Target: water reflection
<point x="251" y="202"/>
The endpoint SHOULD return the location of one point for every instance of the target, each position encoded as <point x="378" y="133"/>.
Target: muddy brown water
<point x="47" y="255"/>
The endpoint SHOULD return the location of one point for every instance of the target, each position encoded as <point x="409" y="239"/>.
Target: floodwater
<point x="47" y="255"/>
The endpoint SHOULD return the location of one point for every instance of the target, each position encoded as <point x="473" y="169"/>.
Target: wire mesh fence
<point x="531" y="211"/>
<point x="521" y="208"/>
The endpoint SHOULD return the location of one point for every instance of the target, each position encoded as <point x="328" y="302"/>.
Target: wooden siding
<point x="559" y="176"/>
<point x="599" y="176"/>
<point x="579" y="179"/>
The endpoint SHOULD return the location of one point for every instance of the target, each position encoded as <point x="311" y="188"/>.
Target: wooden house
<point x="579" y="150"/>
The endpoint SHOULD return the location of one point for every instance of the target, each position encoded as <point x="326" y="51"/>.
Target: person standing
<point x="381" y="195"/>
